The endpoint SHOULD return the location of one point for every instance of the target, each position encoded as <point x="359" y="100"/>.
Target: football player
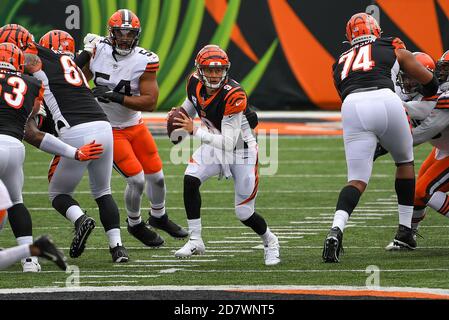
<point x="126" y="85"/>
<point x="229" y="148"/>
<point x="78" y="118"/>
<point x="430" y="119"/>
<point x="372" y="112"/>
<point x="42" y="247"/>
<point x="20" y="98"/>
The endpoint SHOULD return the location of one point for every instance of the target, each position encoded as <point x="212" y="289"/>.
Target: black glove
<point x="105" y="95"/>
<point x="380" y="151"/>
<point x="251" y="116"/>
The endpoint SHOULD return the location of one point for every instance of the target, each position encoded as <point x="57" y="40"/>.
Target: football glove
<point x="40" y="116"/>
<point x="106" y="95"/>
<point x="90" y="42"/>
<point x="380" y="151"/>
<point x="90" y="151"/>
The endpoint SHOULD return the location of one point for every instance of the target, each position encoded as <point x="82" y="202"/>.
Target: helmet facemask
<point x="124" y="40"/>
<point x="442" y="71"/>
<point x="408" y="84"/>
<point x="213" y="76"/>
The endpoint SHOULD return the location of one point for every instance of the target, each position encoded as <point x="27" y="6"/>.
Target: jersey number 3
<point x="16" y="99"/>
<point x="362" y="60"/>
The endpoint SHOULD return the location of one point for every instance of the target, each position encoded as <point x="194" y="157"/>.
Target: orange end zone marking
<point x="356" y="293"/>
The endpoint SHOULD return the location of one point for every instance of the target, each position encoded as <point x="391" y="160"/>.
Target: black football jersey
<point x="229" y="99"/>
<point x="370" y="64"/>
<point x="68" y="96"/>
<point x="18" y="93"/>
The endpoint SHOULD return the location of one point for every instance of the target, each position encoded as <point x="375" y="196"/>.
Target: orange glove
<point x="90" y="151"/>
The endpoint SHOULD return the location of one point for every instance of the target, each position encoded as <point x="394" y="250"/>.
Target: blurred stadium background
<point x="281" y="51"/>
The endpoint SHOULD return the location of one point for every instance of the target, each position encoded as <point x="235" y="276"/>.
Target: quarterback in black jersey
<point x="78" y="119"/>
<point x="372" y="112"/>
<point x="229" y="148"/>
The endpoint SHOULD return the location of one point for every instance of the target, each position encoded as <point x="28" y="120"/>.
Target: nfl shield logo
<point x="194" y="101"/>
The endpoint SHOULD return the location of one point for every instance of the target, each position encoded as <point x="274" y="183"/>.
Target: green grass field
<point x="298" y="203"/>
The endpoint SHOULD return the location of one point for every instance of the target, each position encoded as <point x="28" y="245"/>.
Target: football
<point x="175" y="133"/>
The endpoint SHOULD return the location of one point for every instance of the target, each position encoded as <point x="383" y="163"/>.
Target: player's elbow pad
<point x="430" y="89"/>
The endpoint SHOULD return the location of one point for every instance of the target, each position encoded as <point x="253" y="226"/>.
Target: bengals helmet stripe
<point x="11" y="57"/>
<point x="17" y="35"/>
<point x="362" y="27"/>
<point x="212" y="56"/>
<point x="58" y="40"/>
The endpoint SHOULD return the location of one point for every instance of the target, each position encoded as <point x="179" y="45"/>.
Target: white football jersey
<point x="121" y="74"/>
<point x="426" y="114"/>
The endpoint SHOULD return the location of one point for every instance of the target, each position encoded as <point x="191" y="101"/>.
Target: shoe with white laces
<point x="271" y="252"/>
<point x="192" y="247"/>
<point x="31" y="265"/>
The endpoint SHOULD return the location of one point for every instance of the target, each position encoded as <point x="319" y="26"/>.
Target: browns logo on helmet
<point x="362" y="27"/>
<point x="60" y="41"/>
<point x="16" y="34"/>
<point x="212" y="64"/>
<point x="124" y="31"/>
<point x="11" y="57"/>
<point x="408" y="84"/>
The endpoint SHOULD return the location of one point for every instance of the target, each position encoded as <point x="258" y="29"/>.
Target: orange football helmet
<point x="59" y="40"/>
<point x="11" y="57"/>
<point x="124" y="31"/>
<point x="442" y="68"/>
<point x="362" y="27"/>
<point x="16" y="34"/>
<point x="408" y="84"/>
<point x="214" y="61"/>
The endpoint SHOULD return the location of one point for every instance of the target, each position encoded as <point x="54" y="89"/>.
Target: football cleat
<point x="271" y="252"/>
<point x="83" y="227"/>
<point x="145" y="235"/>
<point x="333" y="245"/>
<point x="192" y="247"/>
<point x="49" y="251"/>
<point x="405" y="239"/>
<point x="31" y="265"/>
<point x="165" y="224"/>
<point x="119" y="254"/>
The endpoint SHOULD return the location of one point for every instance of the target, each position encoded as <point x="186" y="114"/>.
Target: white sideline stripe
<point x="218" y="288"/>
<point x="314" y="270"/>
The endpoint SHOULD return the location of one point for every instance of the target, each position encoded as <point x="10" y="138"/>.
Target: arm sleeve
<point x="230" y="131"/>
<point x="82" y="59"/>
<point x="436" y="122"/>
<point x="188" y="106"/>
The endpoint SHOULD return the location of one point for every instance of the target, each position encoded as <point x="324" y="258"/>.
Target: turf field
<point x="298" y="203"/>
